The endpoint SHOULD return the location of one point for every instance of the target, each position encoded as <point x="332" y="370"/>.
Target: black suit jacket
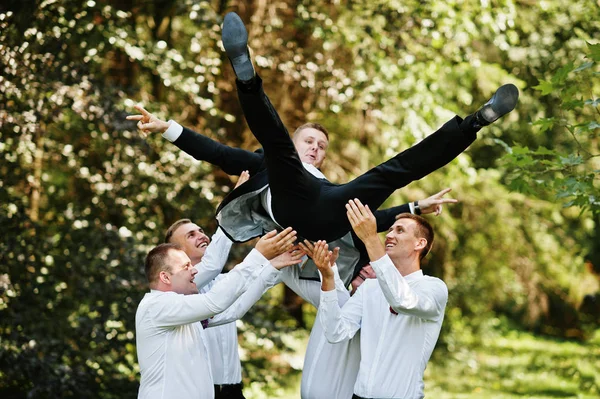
<point x="242" y="217"/>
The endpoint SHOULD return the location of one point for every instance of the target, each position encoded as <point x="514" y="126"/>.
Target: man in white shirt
<point x="399" y="314"/>
<point x="169" y="320"/>
<point x="221" y="342"/>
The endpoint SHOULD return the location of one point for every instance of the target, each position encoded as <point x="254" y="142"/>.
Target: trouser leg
<point x="292" y="186"/>
<point x="376" y="185"/>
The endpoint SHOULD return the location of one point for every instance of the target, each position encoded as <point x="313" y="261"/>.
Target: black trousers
<point x="314" y="207"/>
<point x="229" y="391"/>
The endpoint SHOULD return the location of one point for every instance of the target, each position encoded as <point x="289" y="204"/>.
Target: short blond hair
<point x="312" y="125"/>
<point x="174" y="227"/>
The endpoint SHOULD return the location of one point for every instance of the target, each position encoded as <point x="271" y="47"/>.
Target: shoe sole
<point x="508" y="96"/>
<point x="234" y="35"/>
<point x="502" y="102"/>
<point x="235" y="42"/>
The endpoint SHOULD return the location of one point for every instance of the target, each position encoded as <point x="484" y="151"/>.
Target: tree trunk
<point x="36" y="183"/>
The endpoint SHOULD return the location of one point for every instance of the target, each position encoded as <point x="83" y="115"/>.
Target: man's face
<point x="401" y="241"/>
<point x="191" y="238"/>
<point x="311" y="145"/>
<point x="181" y="274"/>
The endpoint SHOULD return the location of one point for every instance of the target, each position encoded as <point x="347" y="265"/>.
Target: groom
<point x="314" y="207"/>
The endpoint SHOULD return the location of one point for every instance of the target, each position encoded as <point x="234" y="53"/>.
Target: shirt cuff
<point x="329" y="296"/>
<point x="411" y="206"/>
<point x="173" y="132"/>
<point x="270" y="275"/>
<point x="256" y="257"/>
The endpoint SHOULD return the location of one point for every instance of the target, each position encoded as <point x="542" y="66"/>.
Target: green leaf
<point x="584" y="66"/>
<point x="544" y="151"/>
<point x="544" y="123"/>
<point x="594" y="52"/>
<point x="518" y="150"/>
<point x="573" y="104"/>
<point x="571" y="160"/>
<point x="545" y="87"/>
<point x="561" y="74"/>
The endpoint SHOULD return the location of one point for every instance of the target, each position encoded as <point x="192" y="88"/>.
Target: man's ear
<point x="421" y="243"/>
<point x="164" y="277"/>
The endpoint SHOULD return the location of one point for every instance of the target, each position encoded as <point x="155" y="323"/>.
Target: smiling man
<point x="399" y="314"/>
<point x="220" y="341"/>
<point x="194" y="242"/>
<point x="170" y="318"/>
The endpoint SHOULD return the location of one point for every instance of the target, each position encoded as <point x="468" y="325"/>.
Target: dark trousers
<point x="229" y="391"/>
<point x="355" y="396"/>
<point x="315" y="208"/>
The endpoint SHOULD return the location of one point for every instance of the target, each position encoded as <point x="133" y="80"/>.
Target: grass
<point x="517" y="365"/>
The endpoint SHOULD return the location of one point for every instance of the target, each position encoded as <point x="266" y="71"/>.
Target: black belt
<point x="224" y="389"/>
<point x="355" y="396"/>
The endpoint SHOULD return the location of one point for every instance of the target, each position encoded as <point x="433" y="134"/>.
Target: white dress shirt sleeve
<point x="213" y="260"/>
<point x="340" y="324"/>
<point x="173" y="132"/>
<point x="268" y="277"/>
<point x="425" y="300"/>
<point x="310" y="290"/>
<point x="175" y="309"/>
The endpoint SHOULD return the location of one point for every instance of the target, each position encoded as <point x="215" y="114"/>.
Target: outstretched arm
<point x="268" y="277"/>
<point x="386" y="217"/>
<point x="232" y="160"/>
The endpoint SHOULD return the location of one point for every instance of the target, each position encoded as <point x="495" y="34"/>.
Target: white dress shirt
<point x="170" y="340"/>
<point x="214" y="259"/>
<point x="329" y="369"/>
<point x="395" y="348"/>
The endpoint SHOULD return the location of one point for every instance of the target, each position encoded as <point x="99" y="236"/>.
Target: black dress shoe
<point x="235" y="42"/>
<point x="502" y="102"/>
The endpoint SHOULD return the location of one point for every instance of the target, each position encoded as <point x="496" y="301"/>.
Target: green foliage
<point x="570" y="170"/>
<point x="83" y="196"/>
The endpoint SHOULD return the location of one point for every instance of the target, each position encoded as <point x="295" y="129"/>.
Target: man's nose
<point x="194" y="271"/>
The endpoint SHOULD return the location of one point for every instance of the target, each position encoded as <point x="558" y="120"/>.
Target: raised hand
<point x="361" y="219"/>
<point x="147" y="122"/>
<point x="309" y="248"/>
<point x="434" y="203"/>
<point x="322" y="258"/>
<point x="291" y="257"/>
<point x="273" y="244"/>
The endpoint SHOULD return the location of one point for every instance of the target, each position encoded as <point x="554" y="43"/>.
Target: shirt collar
<point x="313" y="170"/>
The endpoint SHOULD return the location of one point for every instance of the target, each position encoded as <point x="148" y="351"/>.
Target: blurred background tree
<point x="83" y="196"/>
